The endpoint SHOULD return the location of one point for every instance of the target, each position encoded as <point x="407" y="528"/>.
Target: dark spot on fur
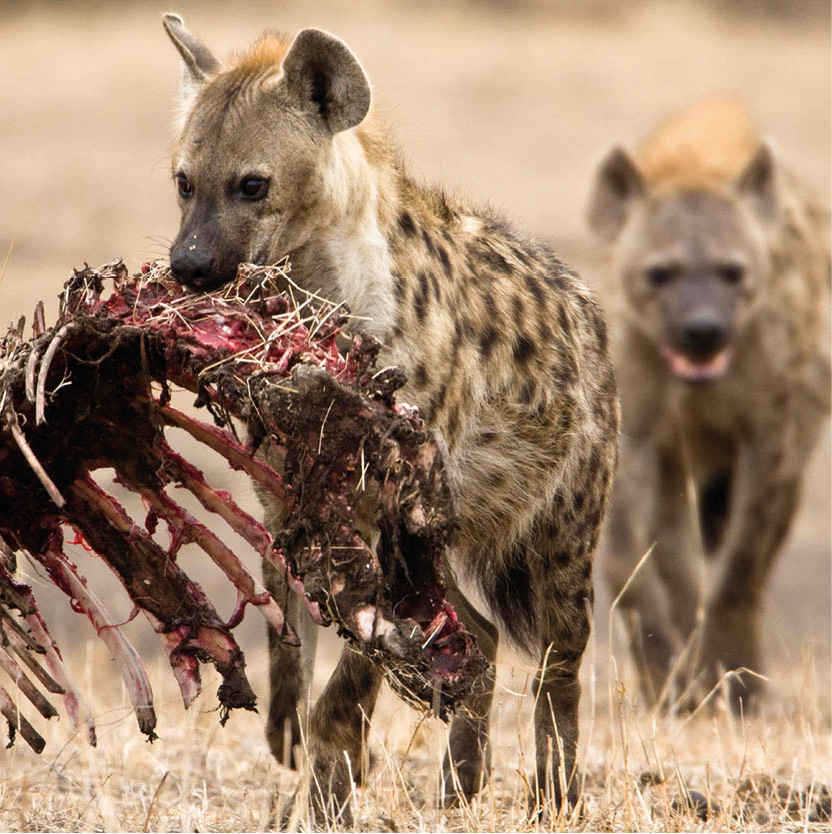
<point x="453" y="421"/>
<point x="535" y="289"/>
<point x="518" y="311"/>
<point x="419" y="306"/>
<point x="446" y="261"/>
<point x="406" y="224"/>
<point x="420" y="375"/>
<point x="579" y="599"/>
<point x="601" y="331"/>
<point x="495" y="479"/>
<point x="487" y="437"/>
<point x="428" y="242"/>
<point x="487" y="341"/>
<point x="527" y="392"/>
<point x="423" y="283"/>
<point x="482" y="252"/>
<point x="524" y="349"/>
<point x="563" y="558"/>
<point x="436" y="402"/>
<point x="434" y="284"/>
<point x="557" y="280"/>
<point x="490" y="303"/>
<point x="520" y="255"/>
<point x="593" y="466"/>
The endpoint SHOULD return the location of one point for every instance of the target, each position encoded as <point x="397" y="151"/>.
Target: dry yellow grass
<point x="200" y="777"/>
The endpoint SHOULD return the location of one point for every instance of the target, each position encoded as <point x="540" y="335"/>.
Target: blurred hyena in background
<point x="720" y="266"/>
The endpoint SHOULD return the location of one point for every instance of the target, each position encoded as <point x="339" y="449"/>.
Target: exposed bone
<point x="11" y="667"/>
<point x="19" y="722"/>
<point x="68" y="579"/>
<point x="26" y="655"/>
<point x="158" y="586"/>
<point x="238" y="519"/>
<point x="73" y="702"/>
<point x="40" y="392"/>
<point x="251" y="590"/>
<point x="31" y="372"/>
<point x="37" y="468"/>
<point x="223" y="443"/>
<point x="38" y="321"/>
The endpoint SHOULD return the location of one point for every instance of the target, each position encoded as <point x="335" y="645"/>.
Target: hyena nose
<point x="703" y="336"/>
<point x="193" y="267"/>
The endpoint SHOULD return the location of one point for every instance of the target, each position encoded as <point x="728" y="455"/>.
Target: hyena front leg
<point x="658" y="596"/>
<point x="467" y="763"/>
<point x="290" y="670"/>
<point x="337" y="736"/>
<point x="766" y="499"/>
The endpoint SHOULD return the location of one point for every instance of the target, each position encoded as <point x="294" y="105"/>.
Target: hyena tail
<point x="509" y="591"/>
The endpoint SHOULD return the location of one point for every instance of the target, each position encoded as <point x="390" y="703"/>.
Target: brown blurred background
<point x="508" y="103"/>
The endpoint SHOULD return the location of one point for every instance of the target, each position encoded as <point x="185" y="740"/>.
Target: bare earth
<point x="510" y="105"/>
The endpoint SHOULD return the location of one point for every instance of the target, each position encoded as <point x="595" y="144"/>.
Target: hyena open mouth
<point x="698" y="370"/>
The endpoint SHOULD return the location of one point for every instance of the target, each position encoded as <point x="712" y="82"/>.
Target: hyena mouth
<point x="698" y="370"/>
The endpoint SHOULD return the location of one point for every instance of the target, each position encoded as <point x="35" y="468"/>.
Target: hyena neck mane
<point x="355" y="255"/>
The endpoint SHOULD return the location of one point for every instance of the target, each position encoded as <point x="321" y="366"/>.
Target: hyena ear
<point x="199" y="61"/>
<point x="758" y="184"/>
<point x="324" y="78"/>
<point x="618" y="184"/>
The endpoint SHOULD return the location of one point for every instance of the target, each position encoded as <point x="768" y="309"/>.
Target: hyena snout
<point x="702" y="335"/>
<point x="200" y="267"/>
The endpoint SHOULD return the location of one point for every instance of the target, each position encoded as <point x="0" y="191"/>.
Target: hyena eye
<point x="658" y="276"/>
<point x="731" y="274"/>
<point x="254" y="188"/>
<point x="184" y="185"/>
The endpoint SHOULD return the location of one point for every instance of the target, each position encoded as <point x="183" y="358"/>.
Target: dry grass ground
<point x="508" y="103"/>
<point x="200" y="777"/>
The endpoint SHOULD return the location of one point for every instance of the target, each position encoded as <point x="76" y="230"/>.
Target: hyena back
<point x="504" y="348"/>
<point x="720" y="263"/>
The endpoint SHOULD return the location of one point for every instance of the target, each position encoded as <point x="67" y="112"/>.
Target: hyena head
<point x="252" y="161"/>
<point x="691" y="253"/>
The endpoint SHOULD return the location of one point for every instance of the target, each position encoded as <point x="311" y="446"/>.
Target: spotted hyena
<point x="504" y="348"/>
<point x="720" y="260"/>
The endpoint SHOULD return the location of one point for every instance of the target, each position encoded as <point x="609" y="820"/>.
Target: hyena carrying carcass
<point x="504" y="348"/>
<point x="720" y="261"/>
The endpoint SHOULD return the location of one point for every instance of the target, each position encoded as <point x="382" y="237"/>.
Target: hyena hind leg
<point x="565" y="600"/>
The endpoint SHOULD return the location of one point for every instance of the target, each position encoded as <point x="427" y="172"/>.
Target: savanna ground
<point x="510" y="104"/>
